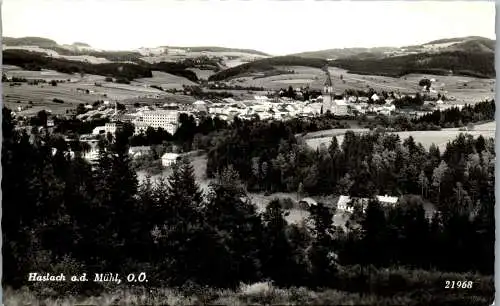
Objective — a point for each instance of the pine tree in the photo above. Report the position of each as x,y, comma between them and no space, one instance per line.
238,231
321,253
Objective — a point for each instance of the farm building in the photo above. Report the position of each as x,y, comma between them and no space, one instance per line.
169,158
136,152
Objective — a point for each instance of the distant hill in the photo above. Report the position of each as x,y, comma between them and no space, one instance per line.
471,56
218,49
28,41
464,44
36,61
477,64
81,44
346,52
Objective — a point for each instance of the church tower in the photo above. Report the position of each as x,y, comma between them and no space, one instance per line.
328,94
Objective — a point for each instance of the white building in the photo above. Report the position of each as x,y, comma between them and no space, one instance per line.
110,128
99,130
387,200
165,119
169,158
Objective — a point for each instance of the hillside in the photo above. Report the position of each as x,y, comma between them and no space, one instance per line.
28,41
467,56
463,44
477,64
217,49
37,61
346,52
267,64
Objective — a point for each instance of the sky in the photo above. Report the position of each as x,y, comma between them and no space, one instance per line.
276,27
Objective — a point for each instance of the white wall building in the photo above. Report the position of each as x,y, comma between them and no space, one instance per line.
169,159
110,128
165,119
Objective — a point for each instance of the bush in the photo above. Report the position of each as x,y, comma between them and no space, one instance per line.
287,203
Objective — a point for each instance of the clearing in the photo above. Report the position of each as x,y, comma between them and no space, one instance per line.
427,138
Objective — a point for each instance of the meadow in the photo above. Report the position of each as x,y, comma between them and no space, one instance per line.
165,80
359,286
427,138
463,89
42,95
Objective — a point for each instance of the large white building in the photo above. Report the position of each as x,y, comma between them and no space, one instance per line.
169,159
165,119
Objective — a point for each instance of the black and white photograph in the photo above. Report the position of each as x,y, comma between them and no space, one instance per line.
266,152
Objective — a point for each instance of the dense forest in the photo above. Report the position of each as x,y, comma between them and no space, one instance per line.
63,215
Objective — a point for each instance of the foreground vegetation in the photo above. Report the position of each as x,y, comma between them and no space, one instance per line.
64,215
386,287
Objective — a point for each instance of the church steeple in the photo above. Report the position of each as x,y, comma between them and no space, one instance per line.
328,87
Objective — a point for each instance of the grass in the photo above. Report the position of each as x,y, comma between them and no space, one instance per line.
427,138
411,288
42,95
476,89
165,80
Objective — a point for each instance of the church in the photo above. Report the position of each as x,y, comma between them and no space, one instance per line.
336,107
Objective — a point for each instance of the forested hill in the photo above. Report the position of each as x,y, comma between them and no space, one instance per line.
477,64
37,61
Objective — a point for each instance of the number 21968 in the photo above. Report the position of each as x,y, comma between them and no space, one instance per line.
458,284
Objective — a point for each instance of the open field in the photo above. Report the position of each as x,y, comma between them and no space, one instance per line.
42,95
427,138
165,80
464,89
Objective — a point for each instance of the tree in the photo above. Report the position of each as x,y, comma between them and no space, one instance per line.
277,263
437,177
425,83
53,83
237,230
423,182
321,255
180,232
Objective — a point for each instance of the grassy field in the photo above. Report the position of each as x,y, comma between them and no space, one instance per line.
464,89
439,138
42,95
165,80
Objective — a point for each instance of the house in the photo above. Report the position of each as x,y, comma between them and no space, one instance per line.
136,152
387,200
99,130
346,203
169,158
